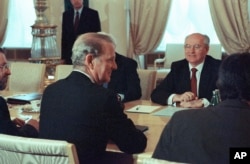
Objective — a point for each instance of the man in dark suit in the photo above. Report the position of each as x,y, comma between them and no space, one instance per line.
7,126
125,80
88,22
206,136
80,110
176,87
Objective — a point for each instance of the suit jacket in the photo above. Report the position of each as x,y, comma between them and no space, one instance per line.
86,114
205,135
8,127
89,22
125,79
178,80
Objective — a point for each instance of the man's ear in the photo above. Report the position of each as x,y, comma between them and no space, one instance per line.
89,60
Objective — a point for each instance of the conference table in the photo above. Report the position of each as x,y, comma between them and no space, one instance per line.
155,126
154,123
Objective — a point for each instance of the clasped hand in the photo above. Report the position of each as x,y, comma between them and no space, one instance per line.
188,100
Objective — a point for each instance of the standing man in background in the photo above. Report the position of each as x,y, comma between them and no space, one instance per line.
76,21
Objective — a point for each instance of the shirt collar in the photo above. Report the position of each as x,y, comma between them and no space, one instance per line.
198,67
76,70
80,11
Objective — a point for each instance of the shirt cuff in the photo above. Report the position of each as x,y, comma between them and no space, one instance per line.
205,102
122,96
170,100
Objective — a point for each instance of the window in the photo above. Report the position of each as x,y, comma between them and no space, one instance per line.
21,17
187,17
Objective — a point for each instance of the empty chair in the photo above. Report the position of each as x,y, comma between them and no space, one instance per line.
160,75
14,149
26,77
62,71
147,81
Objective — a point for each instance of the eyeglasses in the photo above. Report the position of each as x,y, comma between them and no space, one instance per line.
5,66
196,46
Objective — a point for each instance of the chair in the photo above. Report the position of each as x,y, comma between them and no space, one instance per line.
175,52
26,77
147,82
15,149
155,161
160,75
62,71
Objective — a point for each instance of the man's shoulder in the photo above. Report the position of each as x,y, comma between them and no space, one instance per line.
2,101
126,60
179,63
212,59
190,114
90,10
67,12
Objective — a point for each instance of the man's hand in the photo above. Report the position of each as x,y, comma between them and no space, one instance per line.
34,123
185,97
192,104
18,122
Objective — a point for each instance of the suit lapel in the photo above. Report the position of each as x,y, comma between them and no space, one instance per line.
185,79
205,77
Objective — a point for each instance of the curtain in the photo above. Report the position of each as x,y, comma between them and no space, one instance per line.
67,4
232,25
147,25
3,19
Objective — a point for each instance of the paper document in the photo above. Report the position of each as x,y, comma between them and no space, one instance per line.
169,111
143,109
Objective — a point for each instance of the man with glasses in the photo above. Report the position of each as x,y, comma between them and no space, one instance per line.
187,88
17,126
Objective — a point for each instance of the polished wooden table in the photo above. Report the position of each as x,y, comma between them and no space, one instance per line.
154,123
15,110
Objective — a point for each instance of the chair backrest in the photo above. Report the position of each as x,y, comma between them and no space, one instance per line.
160,75
26,77
62,71
14,149
175,52
147,82
154,161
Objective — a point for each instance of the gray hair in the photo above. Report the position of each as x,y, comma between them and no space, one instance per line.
89,43
206,38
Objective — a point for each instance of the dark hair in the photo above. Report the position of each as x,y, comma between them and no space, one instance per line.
234,77
1,50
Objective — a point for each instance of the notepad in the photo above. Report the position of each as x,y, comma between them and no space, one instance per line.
142,109
24,98
169,111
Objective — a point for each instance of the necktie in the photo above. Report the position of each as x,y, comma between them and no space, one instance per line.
76,22
194,81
